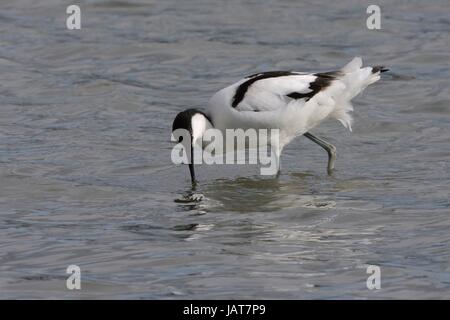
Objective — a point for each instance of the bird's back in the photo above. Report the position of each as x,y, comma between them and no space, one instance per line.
291,101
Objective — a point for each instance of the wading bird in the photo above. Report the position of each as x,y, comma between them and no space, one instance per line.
293,102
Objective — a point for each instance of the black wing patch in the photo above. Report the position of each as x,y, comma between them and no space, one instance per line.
243,87
322,81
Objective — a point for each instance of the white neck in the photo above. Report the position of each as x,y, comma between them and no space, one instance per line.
199,125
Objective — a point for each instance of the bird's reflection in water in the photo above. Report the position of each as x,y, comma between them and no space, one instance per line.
256,194
246,194
300,192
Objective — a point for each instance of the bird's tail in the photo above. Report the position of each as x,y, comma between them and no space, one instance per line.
355,78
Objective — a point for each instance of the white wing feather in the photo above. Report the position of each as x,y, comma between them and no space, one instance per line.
271,94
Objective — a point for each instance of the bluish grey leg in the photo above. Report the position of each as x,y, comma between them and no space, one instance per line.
329,148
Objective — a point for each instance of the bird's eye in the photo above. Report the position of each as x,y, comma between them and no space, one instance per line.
180,139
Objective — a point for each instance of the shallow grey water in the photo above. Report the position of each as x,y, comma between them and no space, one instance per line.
86,176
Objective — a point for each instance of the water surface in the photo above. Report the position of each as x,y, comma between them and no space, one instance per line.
86,176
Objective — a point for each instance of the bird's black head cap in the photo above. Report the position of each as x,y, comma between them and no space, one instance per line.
183,120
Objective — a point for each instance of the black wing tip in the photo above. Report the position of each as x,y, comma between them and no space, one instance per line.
380,69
